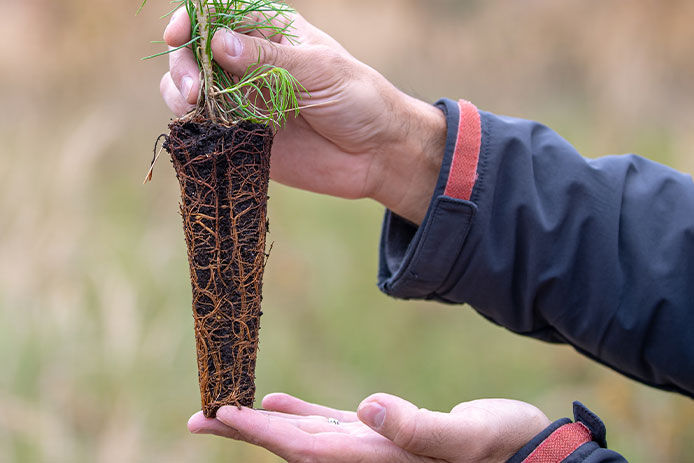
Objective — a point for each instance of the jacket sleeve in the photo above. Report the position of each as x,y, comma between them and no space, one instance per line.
582,441
595,253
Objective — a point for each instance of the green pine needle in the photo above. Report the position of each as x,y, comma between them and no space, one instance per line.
264,94
141,6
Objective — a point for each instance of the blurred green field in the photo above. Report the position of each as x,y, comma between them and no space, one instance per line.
96,340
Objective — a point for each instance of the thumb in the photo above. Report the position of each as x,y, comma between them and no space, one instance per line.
235,52
413,429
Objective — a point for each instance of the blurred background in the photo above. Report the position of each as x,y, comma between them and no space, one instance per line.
96,342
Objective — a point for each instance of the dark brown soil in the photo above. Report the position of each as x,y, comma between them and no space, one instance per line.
224,173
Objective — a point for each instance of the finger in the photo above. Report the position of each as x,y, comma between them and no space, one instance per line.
315,424
237,52
288,404
198,424
291,443
173,98
276,435
185,74
413,429
177,32
277,27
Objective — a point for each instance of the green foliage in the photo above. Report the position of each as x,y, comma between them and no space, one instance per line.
270,106
265,93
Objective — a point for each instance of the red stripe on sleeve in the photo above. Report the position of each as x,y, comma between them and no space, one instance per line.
560,444
463,173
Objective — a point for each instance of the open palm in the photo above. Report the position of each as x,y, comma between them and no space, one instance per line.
298,431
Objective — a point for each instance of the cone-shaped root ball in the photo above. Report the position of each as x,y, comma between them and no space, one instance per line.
224,173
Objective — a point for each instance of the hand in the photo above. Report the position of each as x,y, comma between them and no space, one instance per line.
358,137
385,428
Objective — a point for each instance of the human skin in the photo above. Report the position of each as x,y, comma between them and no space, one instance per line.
385,428
357,137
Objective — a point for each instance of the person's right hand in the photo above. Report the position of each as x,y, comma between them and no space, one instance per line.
358,136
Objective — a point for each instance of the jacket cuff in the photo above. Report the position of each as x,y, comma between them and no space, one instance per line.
564,441
416,261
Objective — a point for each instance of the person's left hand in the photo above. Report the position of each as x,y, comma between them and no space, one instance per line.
385,428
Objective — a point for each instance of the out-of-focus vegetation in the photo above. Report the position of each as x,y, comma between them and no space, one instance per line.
96,342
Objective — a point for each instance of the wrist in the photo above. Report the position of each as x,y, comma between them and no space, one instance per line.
409,165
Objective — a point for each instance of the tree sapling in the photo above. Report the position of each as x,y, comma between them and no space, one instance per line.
221,155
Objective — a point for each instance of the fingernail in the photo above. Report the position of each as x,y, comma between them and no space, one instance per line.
232,44
373,414
186,86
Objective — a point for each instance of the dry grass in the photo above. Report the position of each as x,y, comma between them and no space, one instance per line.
96,341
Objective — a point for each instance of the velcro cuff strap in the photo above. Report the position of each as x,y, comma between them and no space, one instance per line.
560,444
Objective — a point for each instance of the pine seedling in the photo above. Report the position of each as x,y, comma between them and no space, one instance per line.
265,93
221,155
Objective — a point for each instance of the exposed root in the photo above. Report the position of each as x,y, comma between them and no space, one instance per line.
224,173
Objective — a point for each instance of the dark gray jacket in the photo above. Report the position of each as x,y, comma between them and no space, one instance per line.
597,253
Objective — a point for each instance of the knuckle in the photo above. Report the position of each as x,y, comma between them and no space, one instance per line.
406,436
181,64
270,53
421,433
330,56
177,73
339,63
